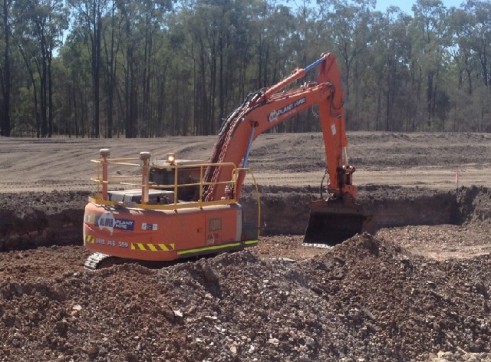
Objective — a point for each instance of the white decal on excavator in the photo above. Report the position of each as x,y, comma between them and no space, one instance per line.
109,222
106,221
149,227
273,116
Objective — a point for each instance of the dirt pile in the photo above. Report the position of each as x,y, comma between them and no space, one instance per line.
366,298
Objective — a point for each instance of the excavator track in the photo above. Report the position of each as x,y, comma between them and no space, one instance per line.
317,245
98,260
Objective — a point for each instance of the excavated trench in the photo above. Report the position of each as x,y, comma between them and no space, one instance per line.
286,210
29,220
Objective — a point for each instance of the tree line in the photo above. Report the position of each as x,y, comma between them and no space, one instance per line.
150,68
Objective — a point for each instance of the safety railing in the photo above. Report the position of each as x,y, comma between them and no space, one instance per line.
113,180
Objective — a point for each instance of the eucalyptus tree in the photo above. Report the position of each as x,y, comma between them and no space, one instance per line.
348,25
38,30
386,92
287,37
6,80
464,71
481,45
461,25
77,85
480,36
88,15
222,38
111,44
142,22
197,24
430,41
308,41
275,49
154,31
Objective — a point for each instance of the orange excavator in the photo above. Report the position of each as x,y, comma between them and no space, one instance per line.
172,209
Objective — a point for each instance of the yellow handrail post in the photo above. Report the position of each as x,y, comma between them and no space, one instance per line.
104,153
145,157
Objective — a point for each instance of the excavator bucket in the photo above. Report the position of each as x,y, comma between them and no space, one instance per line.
333,221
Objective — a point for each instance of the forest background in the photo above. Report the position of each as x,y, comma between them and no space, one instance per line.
151,68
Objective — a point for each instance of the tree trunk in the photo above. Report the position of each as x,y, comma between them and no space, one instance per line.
50,94
96,66
5,127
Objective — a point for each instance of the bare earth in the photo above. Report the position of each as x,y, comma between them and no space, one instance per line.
417,290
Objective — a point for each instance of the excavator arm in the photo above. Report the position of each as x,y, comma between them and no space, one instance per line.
267,108
332,219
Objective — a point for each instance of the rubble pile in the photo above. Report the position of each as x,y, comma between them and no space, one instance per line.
366,298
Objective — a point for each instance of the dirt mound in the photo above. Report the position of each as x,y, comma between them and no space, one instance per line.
365,298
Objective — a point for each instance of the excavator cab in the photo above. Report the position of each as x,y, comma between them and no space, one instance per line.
169,171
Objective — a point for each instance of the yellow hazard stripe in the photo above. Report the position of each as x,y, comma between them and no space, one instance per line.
207,248
251,242
216,247
141,246
152,247
171,247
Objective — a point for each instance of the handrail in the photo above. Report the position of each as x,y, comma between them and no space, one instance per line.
103,179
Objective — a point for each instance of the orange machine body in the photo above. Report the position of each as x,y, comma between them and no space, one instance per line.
162,235
171,213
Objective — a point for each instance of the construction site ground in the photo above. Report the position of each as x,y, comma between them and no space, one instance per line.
418,289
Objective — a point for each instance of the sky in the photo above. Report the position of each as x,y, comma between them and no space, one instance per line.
406,6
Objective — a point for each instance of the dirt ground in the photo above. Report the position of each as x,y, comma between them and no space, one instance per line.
418,289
